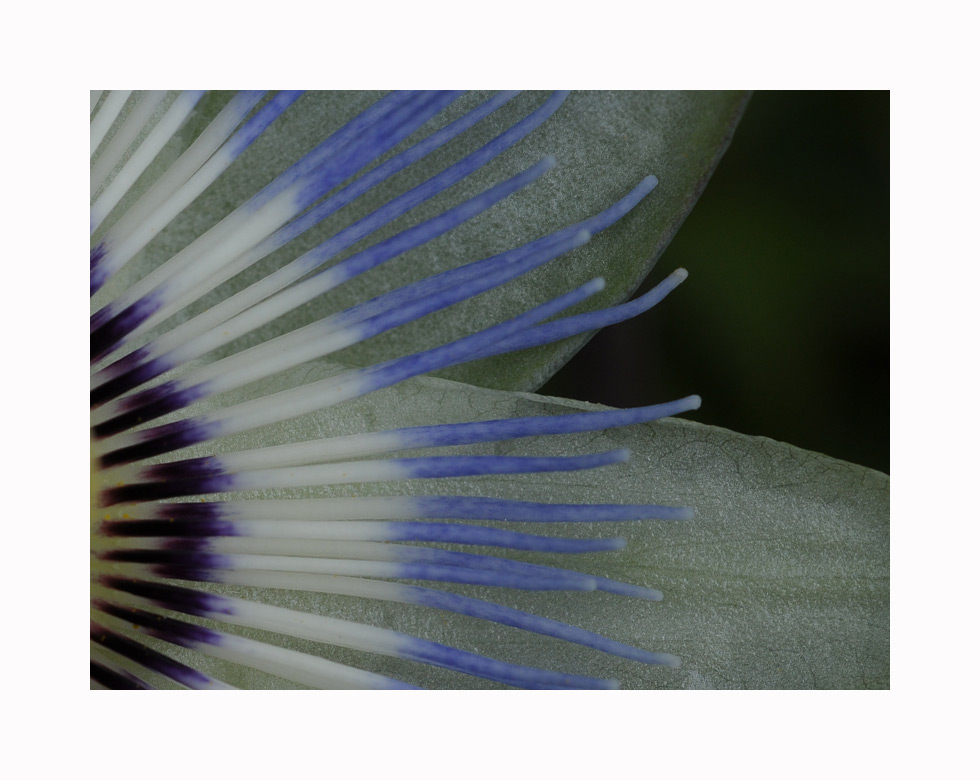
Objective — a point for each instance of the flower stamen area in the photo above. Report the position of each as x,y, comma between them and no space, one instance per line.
238,528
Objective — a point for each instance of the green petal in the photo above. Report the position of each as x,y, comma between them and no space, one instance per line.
780,581
605,144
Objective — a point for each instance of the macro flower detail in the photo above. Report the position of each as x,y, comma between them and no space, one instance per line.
235,515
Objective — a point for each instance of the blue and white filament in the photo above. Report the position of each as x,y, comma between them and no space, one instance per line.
162,526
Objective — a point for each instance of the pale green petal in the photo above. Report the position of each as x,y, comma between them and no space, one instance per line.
781,580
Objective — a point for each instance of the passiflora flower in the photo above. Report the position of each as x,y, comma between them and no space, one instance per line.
309,466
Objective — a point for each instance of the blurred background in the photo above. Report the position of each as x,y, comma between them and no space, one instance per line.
783,326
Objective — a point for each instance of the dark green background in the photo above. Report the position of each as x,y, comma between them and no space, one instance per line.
782,327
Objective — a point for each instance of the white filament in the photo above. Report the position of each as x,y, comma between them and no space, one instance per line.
105,117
